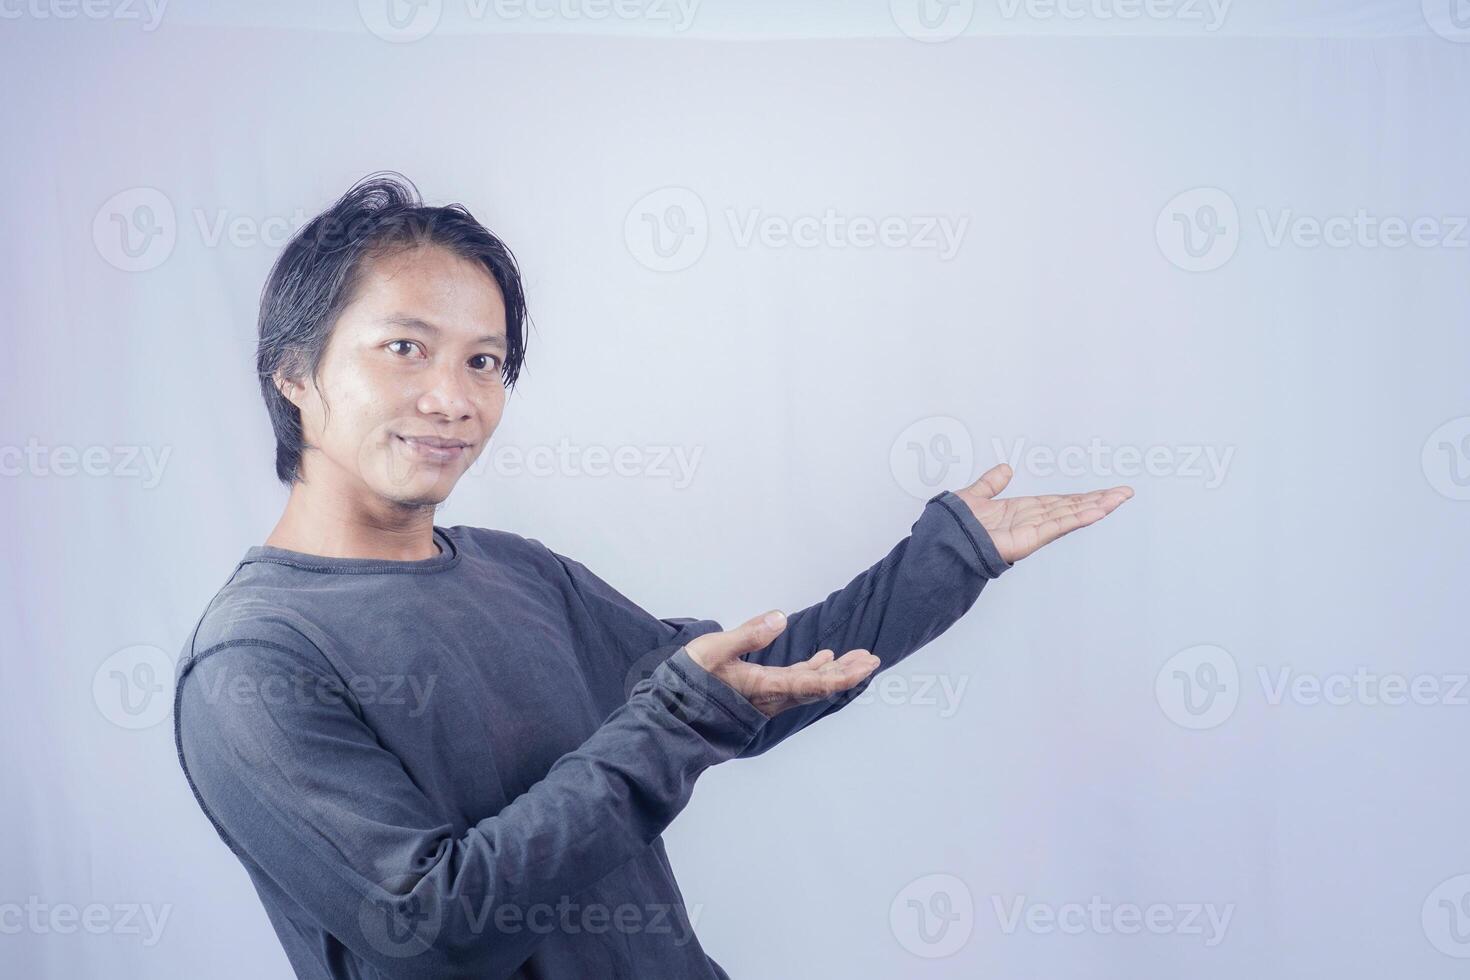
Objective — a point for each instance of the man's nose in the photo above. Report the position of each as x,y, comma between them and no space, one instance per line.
447,394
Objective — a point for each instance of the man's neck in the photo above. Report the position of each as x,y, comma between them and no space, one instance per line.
332,527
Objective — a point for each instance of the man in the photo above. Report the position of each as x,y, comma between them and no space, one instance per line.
451,752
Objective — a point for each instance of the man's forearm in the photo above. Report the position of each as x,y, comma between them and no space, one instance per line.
914,593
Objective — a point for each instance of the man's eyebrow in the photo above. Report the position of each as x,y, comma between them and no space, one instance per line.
414,323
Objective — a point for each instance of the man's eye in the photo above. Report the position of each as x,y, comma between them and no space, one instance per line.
392,342
484,357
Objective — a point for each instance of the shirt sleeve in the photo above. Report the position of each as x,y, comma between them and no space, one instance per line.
296,783
919,589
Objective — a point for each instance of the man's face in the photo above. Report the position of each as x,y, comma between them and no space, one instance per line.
411,370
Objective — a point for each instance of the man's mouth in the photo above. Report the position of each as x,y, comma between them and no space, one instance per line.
433,448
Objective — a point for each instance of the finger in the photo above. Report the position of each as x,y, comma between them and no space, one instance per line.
848,659
1074,511
713,649
992,481
765,685
816,660
1053,505
840,675
1113,493
1107,501
1091,496
777,681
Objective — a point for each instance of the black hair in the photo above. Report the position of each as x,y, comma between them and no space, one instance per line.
319,271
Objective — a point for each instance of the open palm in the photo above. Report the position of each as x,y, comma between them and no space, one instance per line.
1020,525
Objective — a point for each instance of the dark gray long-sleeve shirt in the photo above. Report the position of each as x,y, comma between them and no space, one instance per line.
461,766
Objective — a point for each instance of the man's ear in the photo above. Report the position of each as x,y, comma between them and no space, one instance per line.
288,388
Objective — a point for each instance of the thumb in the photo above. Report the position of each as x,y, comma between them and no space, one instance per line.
714,649
992,481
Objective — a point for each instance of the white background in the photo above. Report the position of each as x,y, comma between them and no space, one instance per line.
1078,761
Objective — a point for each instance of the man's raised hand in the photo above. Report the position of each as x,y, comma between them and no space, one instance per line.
1020,525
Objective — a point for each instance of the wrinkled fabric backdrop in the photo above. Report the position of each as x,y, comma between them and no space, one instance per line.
793,268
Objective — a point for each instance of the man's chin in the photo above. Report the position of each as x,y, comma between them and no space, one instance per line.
422,492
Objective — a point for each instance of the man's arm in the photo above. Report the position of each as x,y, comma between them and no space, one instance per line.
298,784
961,541
913,594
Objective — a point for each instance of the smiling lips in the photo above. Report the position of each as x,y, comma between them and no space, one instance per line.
434,448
